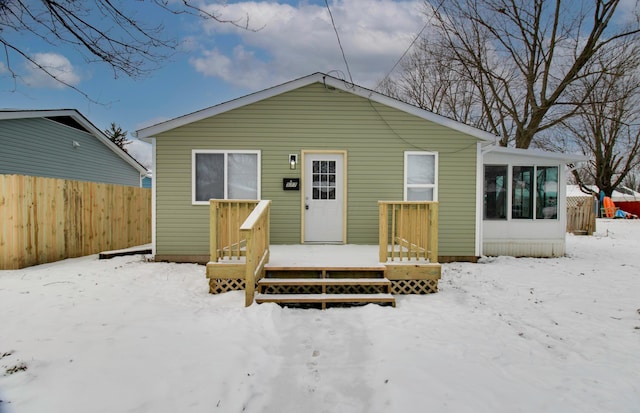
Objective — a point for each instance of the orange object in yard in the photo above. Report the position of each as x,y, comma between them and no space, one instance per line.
608,207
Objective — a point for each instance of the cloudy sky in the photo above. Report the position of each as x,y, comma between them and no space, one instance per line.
218,62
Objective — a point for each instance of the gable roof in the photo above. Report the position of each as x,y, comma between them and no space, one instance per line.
329,82
74,119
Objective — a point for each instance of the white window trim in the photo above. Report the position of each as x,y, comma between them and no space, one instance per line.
434,186
226,152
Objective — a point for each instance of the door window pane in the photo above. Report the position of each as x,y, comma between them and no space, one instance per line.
495,192
522,184
547,192
324,180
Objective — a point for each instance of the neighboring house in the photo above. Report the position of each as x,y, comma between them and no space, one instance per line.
326,151
147,181
63,144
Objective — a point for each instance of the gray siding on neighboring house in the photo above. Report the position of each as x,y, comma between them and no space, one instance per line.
313,118
42,147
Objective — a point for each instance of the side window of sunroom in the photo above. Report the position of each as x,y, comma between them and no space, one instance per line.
495,191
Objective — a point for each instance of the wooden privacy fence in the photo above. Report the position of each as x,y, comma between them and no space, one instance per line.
46,219
408,231
581,215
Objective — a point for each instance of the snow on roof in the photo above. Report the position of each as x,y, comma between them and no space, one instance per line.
619,194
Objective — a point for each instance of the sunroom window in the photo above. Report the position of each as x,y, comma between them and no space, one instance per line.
495,192
225,175
547,192
421,176
522,185
533,192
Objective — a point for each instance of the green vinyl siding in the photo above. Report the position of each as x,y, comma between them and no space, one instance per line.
375,138
43,147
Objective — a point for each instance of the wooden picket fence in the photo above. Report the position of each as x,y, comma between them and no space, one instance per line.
581,215
46,219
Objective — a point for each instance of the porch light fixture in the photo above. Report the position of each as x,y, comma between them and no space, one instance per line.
293,160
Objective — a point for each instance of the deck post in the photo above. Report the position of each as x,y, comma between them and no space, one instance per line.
433,232
250,282
213,230
383,231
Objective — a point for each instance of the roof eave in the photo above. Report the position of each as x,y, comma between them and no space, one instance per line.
150,132
566,158
78,117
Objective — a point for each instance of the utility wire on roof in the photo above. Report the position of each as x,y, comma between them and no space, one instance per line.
333,23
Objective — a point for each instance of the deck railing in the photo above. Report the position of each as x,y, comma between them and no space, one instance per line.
408,231
226,217
256,231
241,229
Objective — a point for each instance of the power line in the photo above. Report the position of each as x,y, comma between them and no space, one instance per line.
415,39
333,23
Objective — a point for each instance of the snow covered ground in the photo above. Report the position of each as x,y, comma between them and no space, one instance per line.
504,335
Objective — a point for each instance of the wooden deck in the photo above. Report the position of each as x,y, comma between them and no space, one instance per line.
324,275
403,262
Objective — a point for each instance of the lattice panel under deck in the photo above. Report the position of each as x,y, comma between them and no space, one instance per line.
219,286
414,286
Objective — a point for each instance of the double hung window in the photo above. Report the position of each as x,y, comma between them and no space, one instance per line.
225,175
421,176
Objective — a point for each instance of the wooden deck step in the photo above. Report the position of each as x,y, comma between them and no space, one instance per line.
325,298
324,281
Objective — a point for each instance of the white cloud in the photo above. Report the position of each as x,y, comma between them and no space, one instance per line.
300,40
141,151
57,65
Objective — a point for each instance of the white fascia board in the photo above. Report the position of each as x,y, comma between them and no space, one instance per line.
555,156
329,81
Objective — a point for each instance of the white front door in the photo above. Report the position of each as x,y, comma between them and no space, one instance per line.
324,197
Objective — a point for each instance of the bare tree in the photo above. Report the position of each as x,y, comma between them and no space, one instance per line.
523,58
607,126
432,80
117,136
106,31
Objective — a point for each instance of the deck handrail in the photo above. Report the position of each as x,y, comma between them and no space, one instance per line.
226,242
256,232
408,230
240,229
